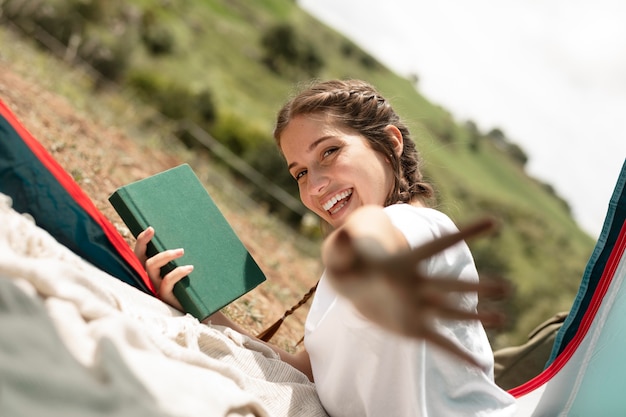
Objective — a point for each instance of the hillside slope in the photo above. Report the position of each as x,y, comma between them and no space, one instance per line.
102,155
539,248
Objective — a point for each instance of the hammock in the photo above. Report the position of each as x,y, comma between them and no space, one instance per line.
74,260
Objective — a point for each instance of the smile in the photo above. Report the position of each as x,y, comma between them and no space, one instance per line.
337,202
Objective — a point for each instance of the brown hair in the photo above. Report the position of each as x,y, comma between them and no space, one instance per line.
358,106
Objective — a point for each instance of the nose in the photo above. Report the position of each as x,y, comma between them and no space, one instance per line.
316,182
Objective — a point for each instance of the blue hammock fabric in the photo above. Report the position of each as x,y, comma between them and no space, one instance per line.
586,373
39,186
613,222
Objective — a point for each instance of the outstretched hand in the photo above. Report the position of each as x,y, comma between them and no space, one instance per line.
164,286
391,291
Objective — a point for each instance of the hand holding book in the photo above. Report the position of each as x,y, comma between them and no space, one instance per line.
190,234
163,286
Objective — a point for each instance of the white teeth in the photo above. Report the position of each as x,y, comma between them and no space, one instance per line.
326,206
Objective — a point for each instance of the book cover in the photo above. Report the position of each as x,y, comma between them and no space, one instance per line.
184,215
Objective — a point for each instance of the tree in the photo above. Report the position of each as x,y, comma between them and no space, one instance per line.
280,47
286,53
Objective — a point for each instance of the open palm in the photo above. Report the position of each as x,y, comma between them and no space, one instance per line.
391,290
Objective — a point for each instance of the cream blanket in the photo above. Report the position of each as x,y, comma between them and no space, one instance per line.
77,341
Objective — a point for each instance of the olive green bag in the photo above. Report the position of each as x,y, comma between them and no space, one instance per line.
516,365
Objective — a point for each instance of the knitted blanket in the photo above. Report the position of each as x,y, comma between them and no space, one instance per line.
77,341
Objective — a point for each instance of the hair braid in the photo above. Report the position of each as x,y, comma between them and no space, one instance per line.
267,334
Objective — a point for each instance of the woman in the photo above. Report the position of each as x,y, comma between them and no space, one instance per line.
357,168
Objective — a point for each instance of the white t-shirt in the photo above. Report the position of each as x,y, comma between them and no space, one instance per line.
363,370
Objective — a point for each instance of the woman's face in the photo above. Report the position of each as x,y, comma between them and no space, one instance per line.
336,169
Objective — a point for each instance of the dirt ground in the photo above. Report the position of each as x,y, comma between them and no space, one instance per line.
101,157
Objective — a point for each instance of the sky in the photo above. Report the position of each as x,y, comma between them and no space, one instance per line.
551,74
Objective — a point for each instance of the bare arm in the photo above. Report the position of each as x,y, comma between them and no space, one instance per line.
164,287
299,360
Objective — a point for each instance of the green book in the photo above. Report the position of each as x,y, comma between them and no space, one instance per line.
184,215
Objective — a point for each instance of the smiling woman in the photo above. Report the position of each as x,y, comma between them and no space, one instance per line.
336,169
393,328
356,110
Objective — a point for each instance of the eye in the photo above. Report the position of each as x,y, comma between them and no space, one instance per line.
298,175
329,151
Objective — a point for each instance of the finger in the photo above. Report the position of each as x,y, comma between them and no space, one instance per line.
169,280
158,261
492,318
451,312
448,285
341,261
447,345
429,249
440,288
142,242
444,285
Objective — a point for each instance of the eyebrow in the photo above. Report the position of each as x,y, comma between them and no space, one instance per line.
312,146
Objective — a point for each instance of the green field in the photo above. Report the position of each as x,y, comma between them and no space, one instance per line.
216,47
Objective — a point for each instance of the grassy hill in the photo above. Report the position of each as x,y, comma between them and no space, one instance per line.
209,61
